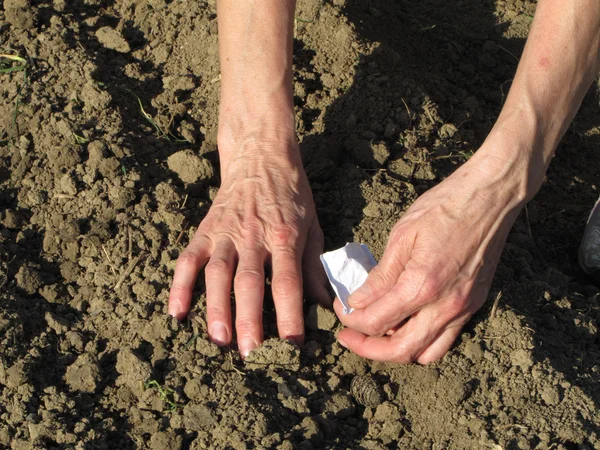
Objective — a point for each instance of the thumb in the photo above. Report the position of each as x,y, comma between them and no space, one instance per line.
384,275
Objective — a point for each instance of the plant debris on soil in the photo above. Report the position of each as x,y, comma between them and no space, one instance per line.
108,162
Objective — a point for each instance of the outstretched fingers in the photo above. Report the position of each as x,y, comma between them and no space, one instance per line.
249,286
188,265
219,276
287,293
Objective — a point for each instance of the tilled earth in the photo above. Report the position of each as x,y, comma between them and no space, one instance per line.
108,162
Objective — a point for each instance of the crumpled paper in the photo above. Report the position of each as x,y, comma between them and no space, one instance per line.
347,269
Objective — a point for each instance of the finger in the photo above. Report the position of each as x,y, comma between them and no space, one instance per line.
402,347
249,287
413,291
189,263
377,348
315,279
440,346
219,275
287,294
385,274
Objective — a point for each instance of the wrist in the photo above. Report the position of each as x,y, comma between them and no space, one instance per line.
255,123
517,152
260,138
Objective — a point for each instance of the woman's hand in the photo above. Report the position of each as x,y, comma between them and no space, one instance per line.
263,214
436,270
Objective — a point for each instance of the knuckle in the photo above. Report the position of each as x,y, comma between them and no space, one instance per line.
430,288
188,258
455,305
248,279
374,325
286,282
252,227
217,267
284,235
379,278
395,234
404,354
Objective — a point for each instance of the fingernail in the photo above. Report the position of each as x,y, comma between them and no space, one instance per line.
342,343
246,345
358,296
174,310
218,333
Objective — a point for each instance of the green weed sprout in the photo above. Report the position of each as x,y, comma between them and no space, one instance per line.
165,393
7,66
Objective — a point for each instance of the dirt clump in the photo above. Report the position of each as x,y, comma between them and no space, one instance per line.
112,39
189,166
84,374
274,352
97,202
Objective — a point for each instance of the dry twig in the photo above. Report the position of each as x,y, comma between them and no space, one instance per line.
114,271
495,305
128,271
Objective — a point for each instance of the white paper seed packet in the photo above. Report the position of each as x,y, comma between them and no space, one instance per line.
347,269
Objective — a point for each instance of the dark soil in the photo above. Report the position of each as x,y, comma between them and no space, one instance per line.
97,201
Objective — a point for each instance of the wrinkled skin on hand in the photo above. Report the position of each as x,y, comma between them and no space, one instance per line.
263,214
435,272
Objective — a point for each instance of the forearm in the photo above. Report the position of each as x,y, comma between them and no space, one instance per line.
255,48
560,60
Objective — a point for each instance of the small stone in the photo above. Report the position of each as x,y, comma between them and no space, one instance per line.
312,432
75,340
521,358
166,439
320,318
473,351
20,13
13,219
84,374
29,279
179,82
5,436
373,209
96,154
380,153
447,131
112,39
16,375
198,417
59,324
274,353
133,370
207,348
340,405
67,185
189,166
550,395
